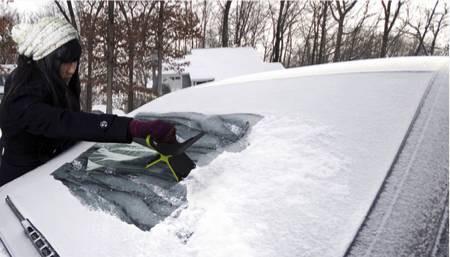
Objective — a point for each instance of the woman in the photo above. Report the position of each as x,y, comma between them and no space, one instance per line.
40,113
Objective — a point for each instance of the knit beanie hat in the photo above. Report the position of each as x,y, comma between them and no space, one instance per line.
43,37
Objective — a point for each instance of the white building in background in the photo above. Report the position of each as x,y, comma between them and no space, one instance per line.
176,80
213,64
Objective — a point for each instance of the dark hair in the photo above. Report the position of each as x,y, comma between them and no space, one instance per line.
48,69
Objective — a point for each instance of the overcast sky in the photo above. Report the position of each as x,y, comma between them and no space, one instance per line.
35,5
29,5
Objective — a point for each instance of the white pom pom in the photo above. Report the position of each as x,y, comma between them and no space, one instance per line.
19,32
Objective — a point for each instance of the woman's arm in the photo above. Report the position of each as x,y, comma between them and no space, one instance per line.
36,117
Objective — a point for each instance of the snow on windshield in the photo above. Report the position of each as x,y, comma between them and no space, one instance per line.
113,177
237,203
411,212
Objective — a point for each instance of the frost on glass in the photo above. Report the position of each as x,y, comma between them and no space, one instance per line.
3,252
112,177
410,216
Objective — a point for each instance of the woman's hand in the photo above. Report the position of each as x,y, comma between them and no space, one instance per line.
160,131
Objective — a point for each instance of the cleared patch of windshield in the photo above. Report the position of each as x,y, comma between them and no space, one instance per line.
113,177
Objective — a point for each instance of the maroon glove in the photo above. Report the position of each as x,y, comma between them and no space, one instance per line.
160,131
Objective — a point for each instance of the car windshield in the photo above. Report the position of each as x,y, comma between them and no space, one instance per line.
114,177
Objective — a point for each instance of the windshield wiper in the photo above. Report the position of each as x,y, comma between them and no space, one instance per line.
36,237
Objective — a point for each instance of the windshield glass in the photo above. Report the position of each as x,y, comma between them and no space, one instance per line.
114,177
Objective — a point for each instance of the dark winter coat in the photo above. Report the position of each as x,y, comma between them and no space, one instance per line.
35,129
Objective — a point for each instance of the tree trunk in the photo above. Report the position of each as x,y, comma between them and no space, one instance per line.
321,57
131,77
316,36
225,24
276,49
90,59
72,14
427,26
131,49
286,48
384,43
238,26
290,47
62,11
160,46
154,79
205,22
352,44
342,12
307,48
438,28
337,50
388,26
90,32
110,56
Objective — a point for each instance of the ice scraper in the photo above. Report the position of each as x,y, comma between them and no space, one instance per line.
173,155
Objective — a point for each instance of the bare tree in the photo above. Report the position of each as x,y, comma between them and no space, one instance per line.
72,14
131,24
323,36
278,32
88,24
61,9
146,50
288,14
369,45
171,27
204,22
421,34
244,11
187,29
388,24
288,52
258,21
110,56
159,46
157,32
319,31
226,12
7,46
315,29
357,36
342,8
436,28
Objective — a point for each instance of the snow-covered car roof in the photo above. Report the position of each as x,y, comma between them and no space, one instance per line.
299,183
